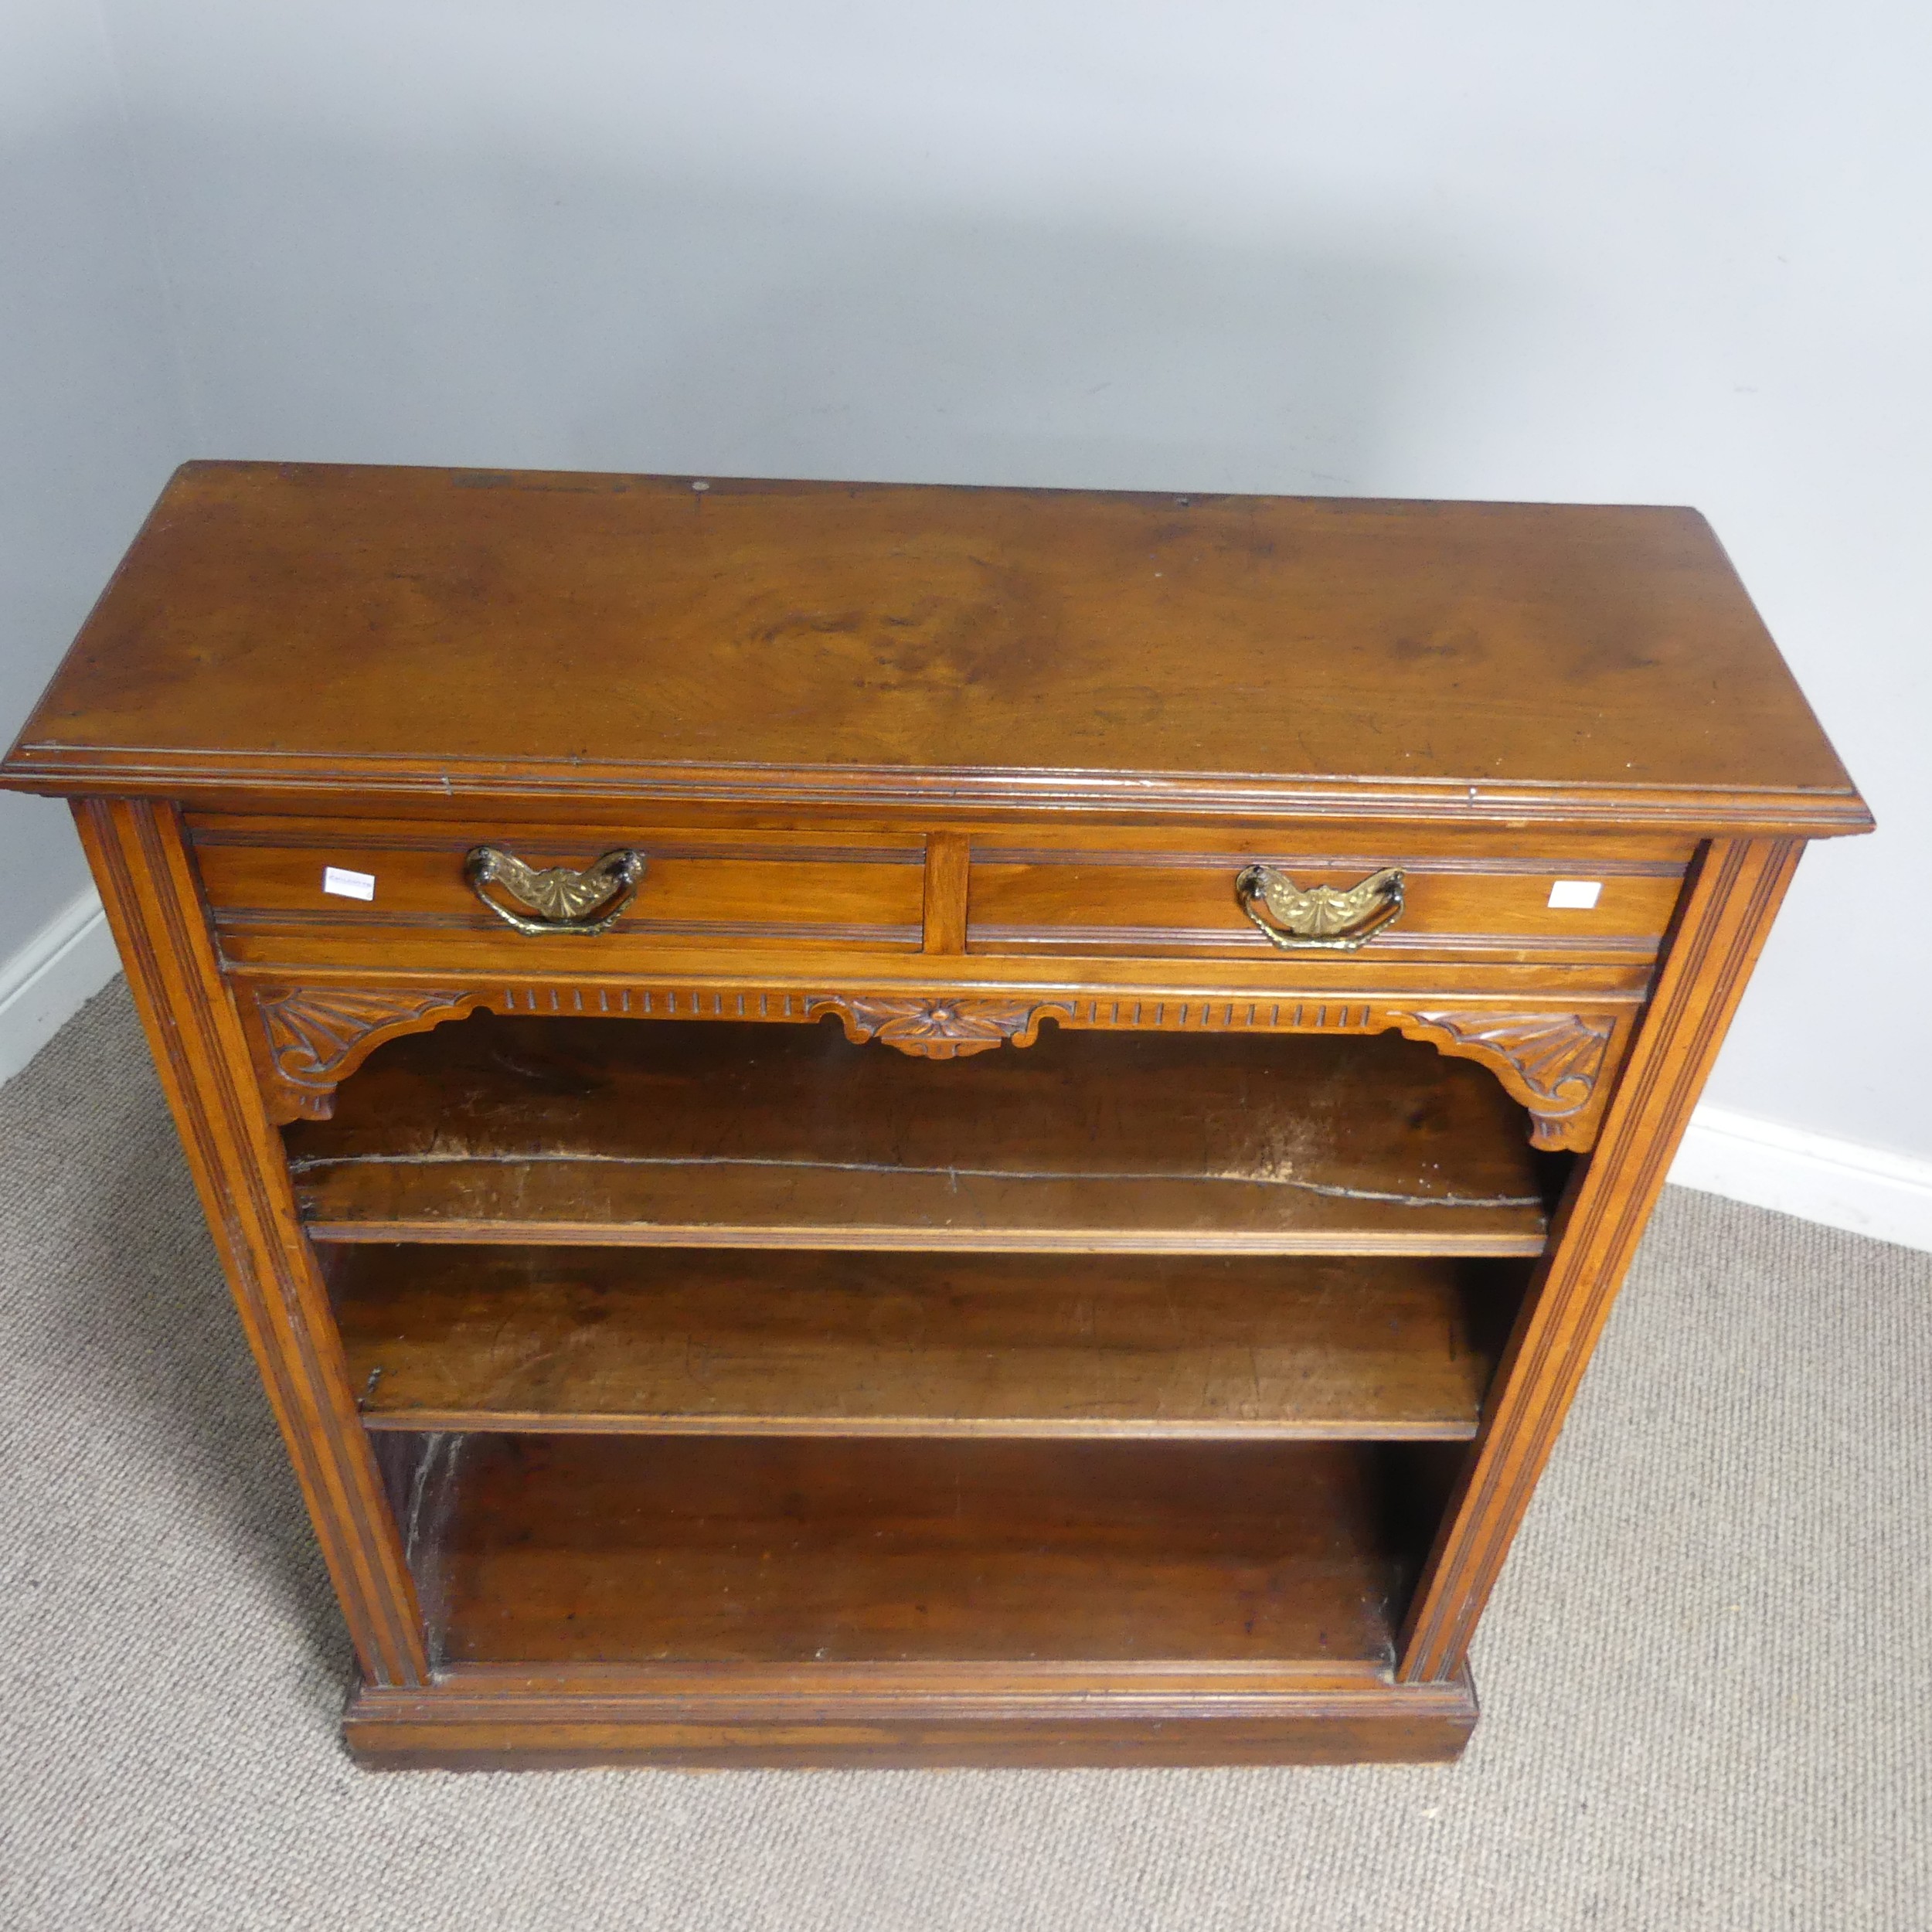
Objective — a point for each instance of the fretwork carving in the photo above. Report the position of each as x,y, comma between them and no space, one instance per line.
308,1039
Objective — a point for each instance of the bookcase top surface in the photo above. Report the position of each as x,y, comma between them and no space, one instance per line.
313,629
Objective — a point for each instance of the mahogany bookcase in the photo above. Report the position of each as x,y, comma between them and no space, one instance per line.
881,1124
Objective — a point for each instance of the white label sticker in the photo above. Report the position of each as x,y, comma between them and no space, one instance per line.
1575,895
361,885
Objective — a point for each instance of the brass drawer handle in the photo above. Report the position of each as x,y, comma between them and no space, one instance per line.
558,900
1335,919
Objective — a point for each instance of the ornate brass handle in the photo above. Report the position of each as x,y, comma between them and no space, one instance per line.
557,900
1335,919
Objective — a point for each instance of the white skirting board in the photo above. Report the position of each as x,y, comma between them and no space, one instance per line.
1840,1183
51,977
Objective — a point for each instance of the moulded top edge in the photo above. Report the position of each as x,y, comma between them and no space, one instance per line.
64,770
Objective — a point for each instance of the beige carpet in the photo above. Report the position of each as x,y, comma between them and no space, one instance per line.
1705,1676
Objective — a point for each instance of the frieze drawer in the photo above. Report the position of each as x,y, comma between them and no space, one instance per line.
279,888
1557,907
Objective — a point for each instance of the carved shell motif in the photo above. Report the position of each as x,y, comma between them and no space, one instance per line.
313,1031
1557,1055
1553,1058
940,1030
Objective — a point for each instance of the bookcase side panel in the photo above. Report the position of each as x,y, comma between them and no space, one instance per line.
148,887
1726,914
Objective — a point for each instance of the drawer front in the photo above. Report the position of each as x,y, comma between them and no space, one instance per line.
343,933
299,881
1542,908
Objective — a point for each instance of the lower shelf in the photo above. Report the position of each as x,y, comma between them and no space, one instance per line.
859,1601
575,1550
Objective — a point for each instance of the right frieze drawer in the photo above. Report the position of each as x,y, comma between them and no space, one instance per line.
1352,896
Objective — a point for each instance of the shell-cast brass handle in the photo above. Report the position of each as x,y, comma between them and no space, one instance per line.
558,899
1335,919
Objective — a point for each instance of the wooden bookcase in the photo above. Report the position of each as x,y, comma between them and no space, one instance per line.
867,1125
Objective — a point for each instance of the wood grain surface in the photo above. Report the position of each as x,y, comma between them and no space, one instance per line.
731,888
574,1549
1113,904
1734,895
719,1716
668,1132
721,888
791,640
662,1340
141,864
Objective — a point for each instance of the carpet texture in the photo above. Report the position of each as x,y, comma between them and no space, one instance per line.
1704,1675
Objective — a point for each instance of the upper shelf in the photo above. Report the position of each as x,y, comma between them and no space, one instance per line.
297,630
725,1133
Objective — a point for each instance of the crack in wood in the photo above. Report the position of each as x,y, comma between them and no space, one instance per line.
313,1163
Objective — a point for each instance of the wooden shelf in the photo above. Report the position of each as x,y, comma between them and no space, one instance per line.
670,1341
727,1133
619,1549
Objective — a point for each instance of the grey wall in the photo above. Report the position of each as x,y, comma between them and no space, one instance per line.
1639,252
91,415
